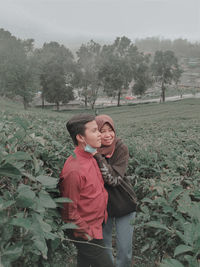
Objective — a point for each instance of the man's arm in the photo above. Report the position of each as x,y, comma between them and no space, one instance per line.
70,188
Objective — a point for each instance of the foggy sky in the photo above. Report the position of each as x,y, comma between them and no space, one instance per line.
68,20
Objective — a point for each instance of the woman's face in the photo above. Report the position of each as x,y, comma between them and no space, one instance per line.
107,135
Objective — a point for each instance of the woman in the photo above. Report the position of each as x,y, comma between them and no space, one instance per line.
112,159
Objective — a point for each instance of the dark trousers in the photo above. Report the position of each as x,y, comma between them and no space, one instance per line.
90,255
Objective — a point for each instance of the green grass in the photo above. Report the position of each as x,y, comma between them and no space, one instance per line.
164,146
135,113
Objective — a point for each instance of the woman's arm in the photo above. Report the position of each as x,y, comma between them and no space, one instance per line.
114,172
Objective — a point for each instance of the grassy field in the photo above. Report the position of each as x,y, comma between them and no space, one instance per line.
164,146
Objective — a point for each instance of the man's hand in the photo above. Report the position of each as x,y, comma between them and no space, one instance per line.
89,238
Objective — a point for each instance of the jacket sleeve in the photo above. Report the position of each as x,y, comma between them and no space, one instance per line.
113,173
70,188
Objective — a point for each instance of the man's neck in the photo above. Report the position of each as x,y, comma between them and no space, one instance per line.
80,146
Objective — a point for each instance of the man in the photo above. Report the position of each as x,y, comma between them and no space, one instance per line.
82,182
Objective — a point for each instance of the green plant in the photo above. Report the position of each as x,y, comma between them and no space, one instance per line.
31,228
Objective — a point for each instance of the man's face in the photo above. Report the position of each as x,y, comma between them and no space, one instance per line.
92,135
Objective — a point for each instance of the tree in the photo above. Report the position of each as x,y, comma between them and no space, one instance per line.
56,73
142,75
17,75
112,77
88,64
55,89
116,70
121,64
165,69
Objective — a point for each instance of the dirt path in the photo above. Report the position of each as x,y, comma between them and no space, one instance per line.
109,102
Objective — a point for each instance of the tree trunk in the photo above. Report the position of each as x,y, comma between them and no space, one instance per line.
57,106
86,101
181,94
25,103
92,105
96,112
163,93
118,98
42,101
85,96
95,97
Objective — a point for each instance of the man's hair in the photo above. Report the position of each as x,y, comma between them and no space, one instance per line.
76,125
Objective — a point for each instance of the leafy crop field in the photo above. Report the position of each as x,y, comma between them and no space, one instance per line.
164,167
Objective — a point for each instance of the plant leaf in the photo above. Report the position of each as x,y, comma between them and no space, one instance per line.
156,224
182,249
47,181
175,193
25,197
171,263
69,226
46,201
12,253
19,155
63,200
9,170
5,204
22,222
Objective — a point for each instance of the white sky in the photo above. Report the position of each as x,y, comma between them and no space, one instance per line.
67,20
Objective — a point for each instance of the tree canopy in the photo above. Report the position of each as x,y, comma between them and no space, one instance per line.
17,67
122,64
166,69
114,68
88,65
56,73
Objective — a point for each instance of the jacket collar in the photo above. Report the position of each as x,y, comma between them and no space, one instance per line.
80,152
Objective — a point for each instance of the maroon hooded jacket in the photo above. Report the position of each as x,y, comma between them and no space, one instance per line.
82,182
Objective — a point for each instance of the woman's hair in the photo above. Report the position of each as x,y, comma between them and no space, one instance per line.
76,125
103,119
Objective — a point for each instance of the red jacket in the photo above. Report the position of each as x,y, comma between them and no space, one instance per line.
83,184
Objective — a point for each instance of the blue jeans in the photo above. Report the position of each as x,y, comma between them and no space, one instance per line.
124,235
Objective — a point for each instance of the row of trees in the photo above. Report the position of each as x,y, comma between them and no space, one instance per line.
17,73
55,71
181,47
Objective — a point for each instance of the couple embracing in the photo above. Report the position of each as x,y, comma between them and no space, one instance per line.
101,194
